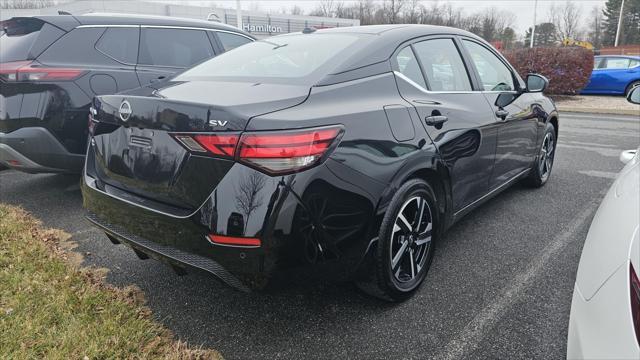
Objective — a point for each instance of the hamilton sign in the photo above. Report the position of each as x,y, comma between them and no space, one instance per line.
266,28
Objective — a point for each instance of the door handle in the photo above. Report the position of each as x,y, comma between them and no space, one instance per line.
435,120
502,114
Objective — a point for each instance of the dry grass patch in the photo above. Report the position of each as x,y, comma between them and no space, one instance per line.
52,308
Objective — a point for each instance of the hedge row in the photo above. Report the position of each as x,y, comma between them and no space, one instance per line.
567,68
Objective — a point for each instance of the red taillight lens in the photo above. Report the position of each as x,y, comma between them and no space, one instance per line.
634,287
288,151
275,153
234,241
26,71
223,145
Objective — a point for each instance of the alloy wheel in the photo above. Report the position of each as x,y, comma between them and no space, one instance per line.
546,156
411,239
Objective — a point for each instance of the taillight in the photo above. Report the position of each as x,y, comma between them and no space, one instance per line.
276,153
286,151
19,71
222,145
634,287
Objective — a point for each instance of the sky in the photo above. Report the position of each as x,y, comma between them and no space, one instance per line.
522,9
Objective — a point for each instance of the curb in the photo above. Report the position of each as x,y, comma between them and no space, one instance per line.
599,110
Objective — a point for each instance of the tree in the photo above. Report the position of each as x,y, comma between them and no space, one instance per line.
566,19
508,38
595,35
545,35
326,8
630,30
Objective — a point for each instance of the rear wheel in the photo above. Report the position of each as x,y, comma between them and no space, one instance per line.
405,243
541,169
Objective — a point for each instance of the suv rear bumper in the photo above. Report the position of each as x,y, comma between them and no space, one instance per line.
36,150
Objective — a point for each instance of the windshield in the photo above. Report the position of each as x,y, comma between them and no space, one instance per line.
283,58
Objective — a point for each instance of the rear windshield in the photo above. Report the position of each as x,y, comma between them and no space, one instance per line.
17,37
290,59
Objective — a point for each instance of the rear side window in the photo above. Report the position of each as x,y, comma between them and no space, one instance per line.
494,74
174,47
231,41
443,65
17,38
120,44
634,63
409,67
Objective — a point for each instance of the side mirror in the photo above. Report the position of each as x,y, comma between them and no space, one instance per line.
536,83
634,95
627,155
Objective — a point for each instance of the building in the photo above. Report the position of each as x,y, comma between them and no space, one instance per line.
259,24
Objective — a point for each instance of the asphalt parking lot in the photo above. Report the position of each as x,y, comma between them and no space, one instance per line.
500,284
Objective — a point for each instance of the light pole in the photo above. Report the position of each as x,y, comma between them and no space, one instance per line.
239,15
619,24
533,28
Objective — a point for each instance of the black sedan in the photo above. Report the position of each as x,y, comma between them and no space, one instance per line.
341,153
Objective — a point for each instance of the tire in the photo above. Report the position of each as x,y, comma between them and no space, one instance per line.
541,169
405,248
631,87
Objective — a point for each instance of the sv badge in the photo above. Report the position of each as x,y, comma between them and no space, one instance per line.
218,122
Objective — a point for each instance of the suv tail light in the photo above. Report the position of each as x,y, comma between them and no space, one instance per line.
634,287
18,71
276,153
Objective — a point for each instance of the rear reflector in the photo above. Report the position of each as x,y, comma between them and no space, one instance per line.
18,71
275,153
634,284
234,241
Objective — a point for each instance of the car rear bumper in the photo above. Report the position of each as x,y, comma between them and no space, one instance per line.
172,255
282,217
36,150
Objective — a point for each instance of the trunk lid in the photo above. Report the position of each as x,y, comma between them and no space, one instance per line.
135,150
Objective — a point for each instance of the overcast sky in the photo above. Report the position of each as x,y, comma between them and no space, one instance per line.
523,9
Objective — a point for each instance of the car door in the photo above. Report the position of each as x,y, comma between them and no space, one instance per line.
433,77
513,108
165,51
597,81
618,74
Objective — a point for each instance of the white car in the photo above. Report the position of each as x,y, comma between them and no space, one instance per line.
605,311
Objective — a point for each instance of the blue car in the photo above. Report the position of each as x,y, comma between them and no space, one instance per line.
614,74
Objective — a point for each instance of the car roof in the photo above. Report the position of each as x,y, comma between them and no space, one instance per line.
68,22
620,56
382,41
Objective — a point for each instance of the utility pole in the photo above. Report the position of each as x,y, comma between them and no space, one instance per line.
619,24
533,28
239,15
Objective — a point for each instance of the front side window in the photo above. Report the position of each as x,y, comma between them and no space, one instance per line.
120,44
633,63
277,59
174,47
443,65
409,67
618,63
494,74
231,41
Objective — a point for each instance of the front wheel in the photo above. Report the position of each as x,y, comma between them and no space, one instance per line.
541,169
405,243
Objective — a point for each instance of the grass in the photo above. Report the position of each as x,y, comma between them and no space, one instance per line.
52,308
